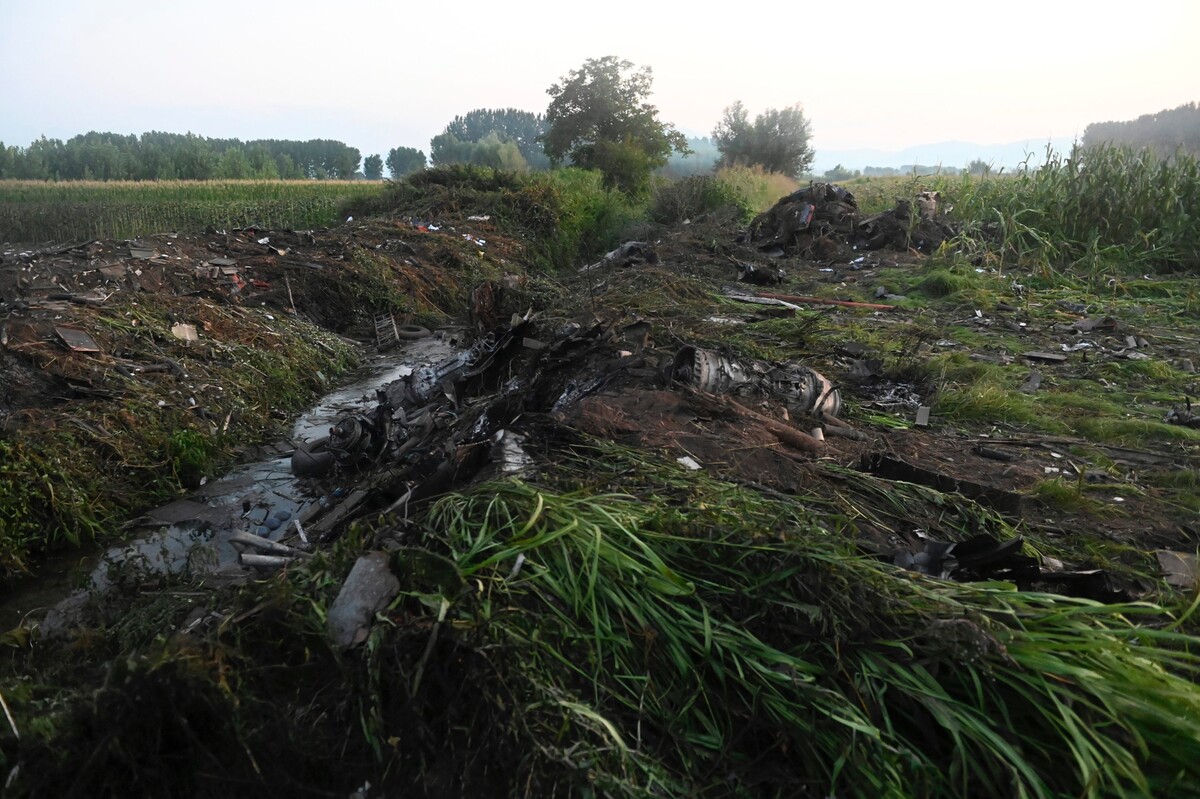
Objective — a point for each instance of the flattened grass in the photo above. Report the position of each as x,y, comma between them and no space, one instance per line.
732,644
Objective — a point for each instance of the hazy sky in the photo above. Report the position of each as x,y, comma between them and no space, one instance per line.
378,74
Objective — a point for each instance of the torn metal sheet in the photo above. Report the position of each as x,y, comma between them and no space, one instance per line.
1049,357
977,557
1095,323
628,254
509,454
77,340
368,589
1178,568
893,468
185,332
757,274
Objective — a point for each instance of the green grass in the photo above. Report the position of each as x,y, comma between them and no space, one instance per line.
686,664
1064,495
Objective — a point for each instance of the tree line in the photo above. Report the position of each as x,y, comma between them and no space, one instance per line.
1165,132
599,117
175,156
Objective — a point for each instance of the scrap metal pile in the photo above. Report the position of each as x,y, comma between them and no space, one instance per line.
498,407
464,417
822,220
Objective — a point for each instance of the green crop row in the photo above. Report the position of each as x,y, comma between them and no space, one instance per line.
1098,207
32,211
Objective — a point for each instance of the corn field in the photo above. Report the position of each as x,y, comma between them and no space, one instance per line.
35,211
1101,208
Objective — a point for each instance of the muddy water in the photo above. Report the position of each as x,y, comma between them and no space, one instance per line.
191,534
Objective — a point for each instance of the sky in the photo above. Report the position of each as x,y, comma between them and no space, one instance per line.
377,74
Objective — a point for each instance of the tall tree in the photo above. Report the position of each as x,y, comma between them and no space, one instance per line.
599,118
522,128
403,161
373,167
233,165
777,140
492,150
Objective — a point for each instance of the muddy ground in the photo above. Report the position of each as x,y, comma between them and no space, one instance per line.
175,324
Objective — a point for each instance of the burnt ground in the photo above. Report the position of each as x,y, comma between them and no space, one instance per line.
1082,466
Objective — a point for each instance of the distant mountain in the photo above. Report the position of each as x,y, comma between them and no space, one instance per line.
947,153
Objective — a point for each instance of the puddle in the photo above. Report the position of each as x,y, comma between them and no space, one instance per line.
191,534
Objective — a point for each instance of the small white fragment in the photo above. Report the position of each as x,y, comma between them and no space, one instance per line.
689,462
300,531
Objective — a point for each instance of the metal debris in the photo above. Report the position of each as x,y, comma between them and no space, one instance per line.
1032,383
1049,357
77,340
802,389
1179,568
368,589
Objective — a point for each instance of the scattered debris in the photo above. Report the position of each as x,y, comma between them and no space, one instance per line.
1032,383
368,589
978,557
894,468
1048,357
1095,323
1179,568
823,301
628,254
993,453
758,275
822,219
1183,416
520,387
185,332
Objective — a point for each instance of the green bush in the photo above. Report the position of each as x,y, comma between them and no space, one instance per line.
192,455
675,201
591,218
46,502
